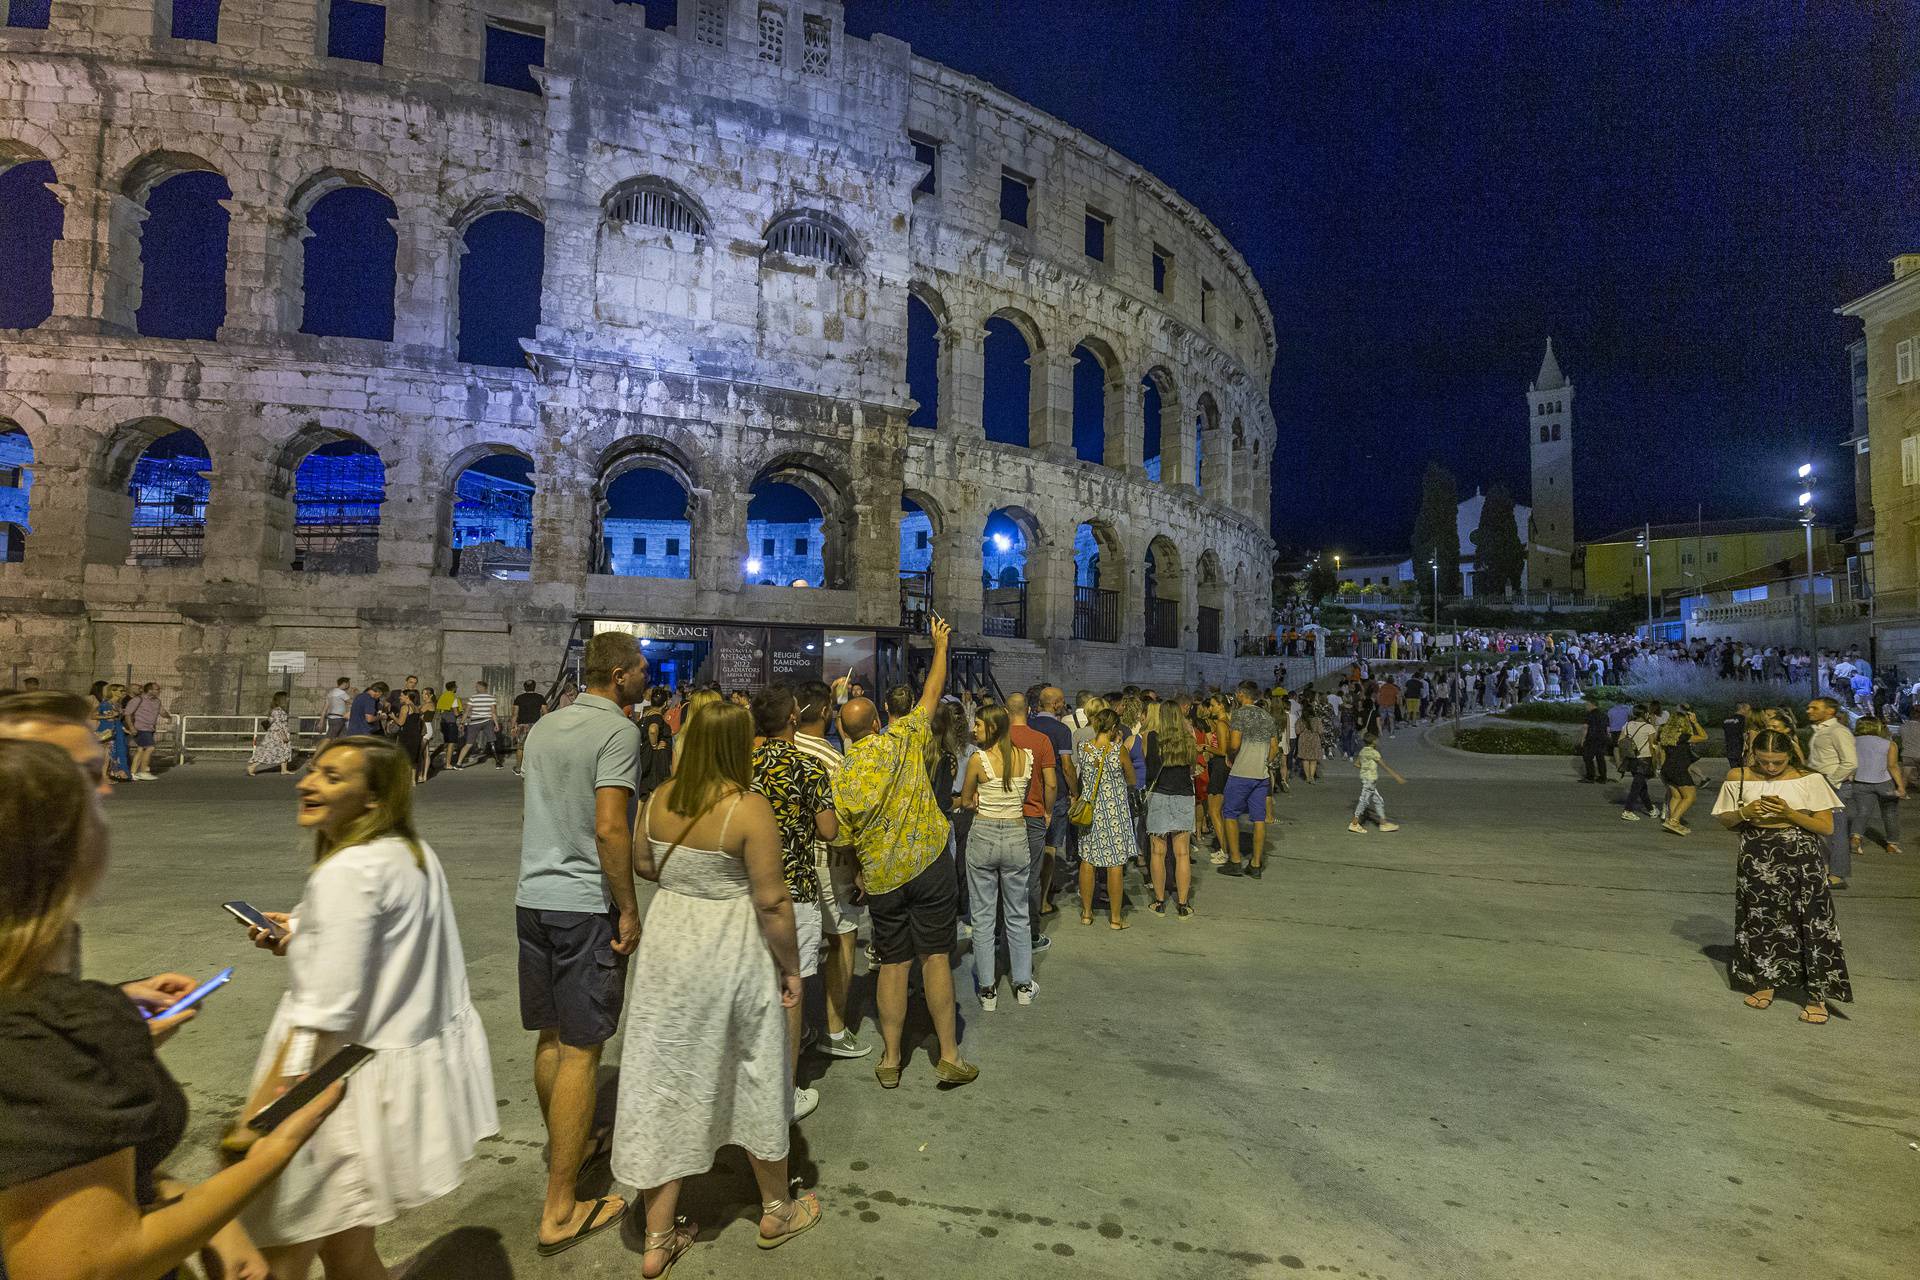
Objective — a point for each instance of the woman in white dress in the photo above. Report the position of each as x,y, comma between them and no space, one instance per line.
374,959
273,746
705,1062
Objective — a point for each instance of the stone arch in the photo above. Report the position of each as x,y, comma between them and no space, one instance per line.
633,541
929,353
164,471
109,467
815,235
1013,547
1163,587
1098,388
484,523
326,491
498,279
345,240
923,524
1213,467
661,204
26,141
1210,604
1014,379
32,219
16,490
1161,416
168,260
831,491
1099,581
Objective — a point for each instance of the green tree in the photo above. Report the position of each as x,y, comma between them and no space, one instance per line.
1436,532
1321,581
1499,557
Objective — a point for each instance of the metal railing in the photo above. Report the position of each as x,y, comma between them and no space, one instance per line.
1163,623
195,736
1096,615
1003,612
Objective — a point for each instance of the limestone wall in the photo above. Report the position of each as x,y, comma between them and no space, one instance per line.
709,354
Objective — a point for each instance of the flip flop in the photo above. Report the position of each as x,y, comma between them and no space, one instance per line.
587,1228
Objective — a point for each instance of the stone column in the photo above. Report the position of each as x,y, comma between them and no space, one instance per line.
719,519
1050,588
410,530
258,238
1176,446
1126,429
566,508
60,507
957,565
250,507
82,264
873,561
1129,578
113,282
425,259
963,381
1050,405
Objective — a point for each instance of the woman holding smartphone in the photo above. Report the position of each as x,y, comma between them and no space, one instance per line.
374,959
87,1113
1784,933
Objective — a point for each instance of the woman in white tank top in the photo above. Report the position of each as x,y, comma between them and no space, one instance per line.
999,858
1878,786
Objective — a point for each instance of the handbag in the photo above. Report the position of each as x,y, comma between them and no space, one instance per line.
1081,813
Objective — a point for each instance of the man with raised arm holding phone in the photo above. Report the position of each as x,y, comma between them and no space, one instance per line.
577,916
885,805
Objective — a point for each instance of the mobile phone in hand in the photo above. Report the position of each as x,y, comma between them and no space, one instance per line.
192,997
246,913
348,1060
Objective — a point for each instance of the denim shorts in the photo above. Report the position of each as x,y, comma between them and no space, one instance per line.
1245,798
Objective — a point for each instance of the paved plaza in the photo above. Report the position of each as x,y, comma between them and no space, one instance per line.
1497,1043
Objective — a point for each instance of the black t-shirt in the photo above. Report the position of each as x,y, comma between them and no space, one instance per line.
1599,732
78,1081
1166,779
527,708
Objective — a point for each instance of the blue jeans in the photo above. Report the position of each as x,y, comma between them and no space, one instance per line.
998,876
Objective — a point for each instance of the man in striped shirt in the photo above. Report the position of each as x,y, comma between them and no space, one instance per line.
483,727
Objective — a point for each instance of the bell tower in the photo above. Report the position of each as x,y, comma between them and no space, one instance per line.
1550,539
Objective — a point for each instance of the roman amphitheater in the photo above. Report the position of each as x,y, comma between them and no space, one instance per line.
764,255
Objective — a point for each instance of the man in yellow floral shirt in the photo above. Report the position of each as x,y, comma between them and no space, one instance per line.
884,801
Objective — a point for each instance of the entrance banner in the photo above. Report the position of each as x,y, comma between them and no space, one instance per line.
740,657
794,654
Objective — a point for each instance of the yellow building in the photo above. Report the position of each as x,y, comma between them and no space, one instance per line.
1891,552
1689,558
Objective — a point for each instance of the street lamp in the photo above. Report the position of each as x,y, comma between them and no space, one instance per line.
1805,476
1645,541
1435,562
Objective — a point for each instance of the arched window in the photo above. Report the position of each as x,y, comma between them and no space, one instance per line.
923,362
337,491
1008,397
16,480
644,529
785,545
170,485
500,287
650,202
349,272
1097,580
916,565
183,257
1089,405
1162,595
1003,573
811,235
1150,415
492,519
30,221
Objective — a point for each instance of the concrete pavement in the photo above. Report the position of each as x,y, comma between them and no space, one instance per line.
1497,1043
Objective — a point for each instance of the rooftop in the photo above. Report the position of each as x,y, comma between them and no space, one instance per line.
1703,529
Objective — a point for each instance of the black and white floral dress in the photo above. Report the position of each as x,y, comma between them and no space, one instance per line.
1784,932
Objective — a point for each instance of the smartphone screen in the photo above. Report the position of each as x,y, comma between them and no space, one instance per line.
248,914
192,997
348,1060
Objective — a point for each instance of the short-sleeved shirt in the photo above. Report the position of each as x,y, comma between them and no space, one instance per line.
828,757
1028,738
885,803
571,754
338,700
528,708
796,785
78,1081
1368,761
1256,731
448,702
364,715
1060,736
480,708
1387,695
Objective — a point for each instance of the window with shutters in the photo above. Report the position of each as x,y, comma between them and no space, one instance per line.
1903,361
1910,460
710,24
650,202
810,235
816,53
773,35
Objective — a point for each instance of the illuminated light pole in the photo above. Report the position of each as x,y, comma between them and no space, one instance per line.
1805,476
1435,562
1645,539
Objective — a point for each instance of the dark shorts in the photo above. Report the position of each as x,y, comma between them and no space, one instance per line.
1245,798
917,919
143,738
1057,825
571,979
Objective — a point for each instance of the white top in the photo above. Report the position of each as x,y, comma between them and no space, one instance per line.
375,959
1871,752
1809,793
1001,802
338,700
1831,751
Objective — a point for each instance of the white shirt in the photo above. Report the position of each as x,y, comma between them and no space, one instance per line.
338,700
1830,751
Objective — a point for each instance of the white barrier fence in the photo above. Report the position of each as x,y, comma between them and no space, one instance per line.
195,736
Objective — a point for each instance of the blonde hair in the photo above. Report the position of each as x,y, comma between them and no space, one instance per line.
1172,738
389,774
1869,727
697,701
53,849
717,752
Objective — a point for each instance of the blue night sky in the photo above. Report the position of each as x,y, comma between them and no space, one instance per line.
1680,196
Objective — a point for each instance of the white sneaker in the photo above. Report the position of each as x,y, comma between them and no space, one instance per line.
1024,995
1218,858
1389,826
805,1103
1629,815
989,998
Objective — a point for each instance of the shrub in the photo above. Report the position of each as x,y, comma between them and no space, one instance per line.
1514,740
1548,712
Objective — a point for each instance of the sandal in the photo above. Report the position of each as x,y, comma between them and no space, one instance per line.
674,1241
889,1077
1118,924
1085,918
1158,906
1815,1014
588,1227
1758,1001
772,1210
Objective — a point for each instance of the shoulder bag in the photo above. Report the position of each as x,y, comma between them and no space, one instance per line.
1081,814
